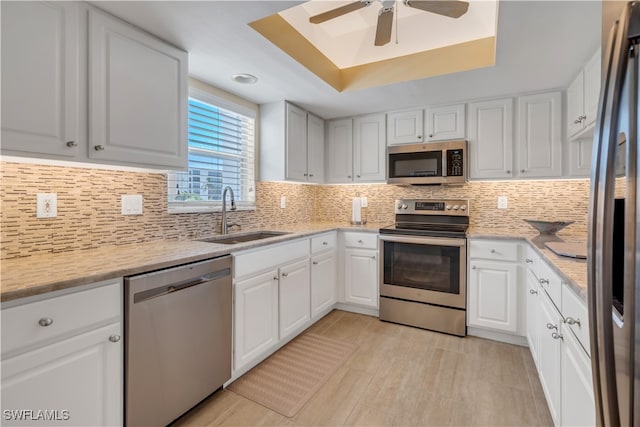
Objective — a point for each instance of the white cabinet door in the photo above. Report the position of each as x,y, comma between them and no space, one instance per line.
592,76
369,148
533,313
296,143
493,295
256,316
137,96
405,127
294,297
540,135
491,139
339,165
315,149
580,153
41,78
82,375
445,122
578,408
549,363
575,105
361,277
323,283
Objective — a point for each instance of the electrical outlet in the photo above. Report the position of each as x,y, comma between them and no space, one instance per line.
502,202
364,202
46,205
283,202
131,204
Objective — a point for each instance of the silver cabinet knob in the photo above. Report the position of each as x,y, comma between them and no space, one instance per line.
575,122
522,170
114,338
98,147
45,321
349,176
528,261
71,144
285,274
360,241
533,292
544,281
552,326
357,176
325,243
556,336
306,174
314,262
581,118
493,251
474,267
430,135
420,136
276,278
572,321
373,257
311,175
508,171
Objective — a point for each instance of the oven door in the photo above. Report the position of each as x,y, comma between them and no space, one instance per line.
424,269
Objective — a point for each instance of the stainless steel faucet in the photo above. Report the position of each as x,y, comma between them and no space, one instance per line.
223,226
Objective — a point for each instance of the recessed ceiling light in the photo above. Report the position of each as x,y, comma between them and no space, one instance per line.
244,78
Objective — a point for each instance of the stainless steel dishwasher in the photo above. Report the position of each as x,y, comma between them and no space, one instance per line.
177,339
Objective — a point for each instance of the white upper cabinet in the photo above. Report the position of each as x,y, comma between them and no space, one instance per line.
137,96
339,151
291,144
540,135
446,122
491,139
582,99
41,91
580,153
405,127
369,149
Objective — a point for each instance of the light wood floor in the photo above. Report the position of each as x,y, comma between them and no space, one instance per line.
403,376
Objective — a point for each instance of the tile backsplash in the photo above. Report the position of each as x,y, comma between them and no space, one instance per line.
89,207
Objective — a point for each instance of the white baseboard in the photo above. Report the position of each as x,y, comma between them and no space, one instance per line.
497,336
357,309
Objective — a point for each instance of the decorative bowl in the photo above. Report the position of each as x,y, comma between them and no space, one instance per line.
548,227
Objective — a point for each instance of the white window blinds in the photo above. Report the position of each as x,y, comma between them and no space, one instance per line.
221,153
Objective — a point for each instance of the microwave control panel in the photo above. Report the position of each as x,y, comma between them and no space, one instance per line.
455,162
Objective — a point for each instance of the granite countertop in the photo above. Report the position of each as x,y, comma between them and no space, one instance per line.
39,274
572,271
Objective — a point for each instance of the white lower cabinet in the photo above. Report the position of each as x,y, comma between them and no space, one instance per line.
549,352
323,283
361,278
294,297
577,402
255,316
63,359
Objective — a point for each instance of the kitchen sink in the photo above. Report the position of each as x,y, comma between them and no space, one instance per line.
245,237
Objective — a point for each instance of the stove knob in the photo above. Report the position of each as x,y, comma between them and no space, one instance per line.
455,207
463,207
448,207
404,206
399,206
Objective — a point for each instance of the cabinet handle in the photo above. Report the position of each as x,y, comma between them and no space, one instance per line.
556,336
285,274
360,241
533,292
420,136
98,147
430,135
474,267
357,176
528,261
306,174
276,278
45,321
576,122
349,176
508,172
314,262
552,326
544,281
493,251
373,257
71,144
572,321
114,338
311,175
325,243
523,170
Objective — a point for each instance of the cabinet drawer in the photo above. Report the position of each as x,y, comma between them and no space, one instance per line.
533,261
361,240
272,256
323,242
551,283
576,316
494,250
21,327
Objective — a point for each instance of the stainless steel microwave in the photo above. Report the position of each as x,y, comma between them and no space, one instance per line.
428,163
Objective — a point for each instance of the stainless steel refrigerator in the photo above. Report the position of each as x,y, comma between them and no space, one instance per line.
614,228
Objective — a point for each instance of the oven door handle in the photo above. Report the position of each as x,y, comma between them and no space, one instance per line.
441,241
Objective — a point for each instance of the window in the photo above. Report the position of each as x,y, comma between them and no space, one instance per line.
221,153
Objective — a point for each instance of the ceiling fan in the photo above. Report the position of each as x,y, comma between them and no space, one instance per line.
452,9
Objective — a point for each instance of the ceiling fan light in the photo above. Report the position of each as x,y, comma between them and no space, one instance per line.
244,78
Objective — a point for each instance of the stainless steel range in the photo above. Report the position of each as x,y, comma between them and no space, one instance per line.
423,280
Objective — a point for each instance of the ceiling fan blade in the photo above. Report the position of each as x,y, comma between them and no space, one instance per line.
385,23
452,9
339,11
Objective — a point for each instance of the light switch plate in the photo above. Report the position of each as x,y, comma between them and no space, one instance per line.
502,202
46,205
364,202
283,202
131,204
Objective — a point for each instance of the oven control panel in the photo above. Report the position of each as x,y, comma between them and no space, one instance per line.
432,207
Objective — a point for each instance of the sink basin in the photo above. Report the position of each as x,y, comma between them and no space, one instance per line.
246,237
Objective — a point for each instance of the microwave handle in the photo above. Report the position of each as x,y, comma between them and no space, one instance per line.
444,163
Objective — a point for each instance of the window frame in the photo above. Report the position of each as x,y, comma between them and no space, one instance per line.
220,99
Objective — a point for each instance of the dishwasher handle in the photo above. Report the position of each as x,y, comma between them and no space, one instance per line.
176,287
